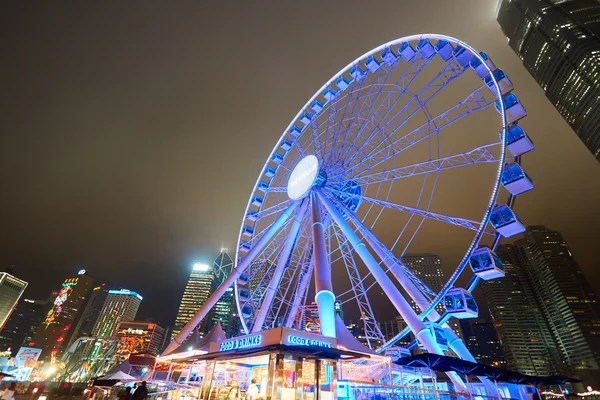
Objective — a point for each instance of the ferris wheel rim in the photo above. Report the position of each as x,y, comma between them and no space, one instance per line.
497,182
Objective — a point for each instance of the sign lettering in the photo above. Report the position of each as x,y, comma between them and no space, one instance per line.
300,341
241,343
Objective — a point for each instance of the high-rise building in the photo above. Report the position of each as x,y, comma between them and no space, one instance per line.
559,44
120,306
225,306
11,289
139,337
565,298
428,268
197,291
309,315
527,344
482,341
22,324
56,329
91,313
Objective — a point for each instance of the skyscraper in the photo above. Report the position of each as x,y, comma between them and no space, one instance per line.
91,312
482,341
56,329
428,268
120,305
198,289
559,44
22,324
567,301
225,306
11,289
527,344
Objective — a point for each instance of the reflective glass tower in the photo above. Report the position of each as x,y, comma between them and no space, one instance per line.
11,289
225,306
559,44
198,289
120,305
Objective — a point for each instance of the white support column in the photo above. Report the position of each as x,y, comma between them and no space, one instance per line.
323,288
284,258
392,263
411,318
237,271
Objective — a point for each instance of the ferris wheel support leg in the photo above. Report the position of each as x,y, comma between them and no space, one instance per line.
323,287
408,314
282,263
391,262
235,273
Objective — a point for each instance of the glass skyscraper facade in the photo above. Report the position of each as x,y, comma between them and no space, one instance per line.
545,312
225,306
120,305
198,289
559,44
11,289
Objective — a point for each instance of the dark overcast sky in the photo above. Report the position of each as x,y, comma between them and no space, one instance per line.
132,132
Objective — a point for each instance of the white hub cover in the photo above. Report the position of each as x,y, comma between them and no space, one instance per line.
303,177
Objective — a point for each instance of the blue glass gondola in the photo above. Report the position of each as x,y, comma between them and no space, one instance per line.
515,180
517,140
513,108
444,49
406,51
460,304
485,264
505,221
503,82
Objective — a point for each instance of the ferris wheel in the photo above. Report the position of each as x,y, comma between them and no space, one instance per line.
403,149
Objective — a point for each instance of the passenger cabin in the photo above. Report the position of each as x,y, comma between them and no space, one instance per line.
270,172
252,215
257,201
372,64
263,185
444,49
329,94
479,66
503,82
243,294
513,108
246,311
248,231
286,145
485,264
358,73
515,180
505,221
389,56
317,106
342,83
517,140
295,131
438,333
242,279
406,51
460,304
277,158
462,56
425,47
306,118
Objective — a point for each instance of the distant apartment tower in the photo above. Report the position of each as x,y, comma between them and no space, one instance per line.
559,44
91,313
428,268
482,341
309,316
120,305
139,337
55,331
11,289
565,298
197,291
527,344
22,324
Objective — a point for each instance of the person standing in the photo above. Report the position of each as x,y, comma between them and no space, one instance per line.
252,393
141,392
9,393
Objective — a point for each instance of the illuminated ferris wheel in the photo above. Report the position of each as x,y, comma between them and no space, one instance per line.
402,150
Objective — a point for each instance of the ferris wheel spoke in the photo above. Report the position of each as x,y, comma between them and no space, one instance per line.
463,222
282,263
478,155
372,331
301,289
451,71
368,101
473,102
273,209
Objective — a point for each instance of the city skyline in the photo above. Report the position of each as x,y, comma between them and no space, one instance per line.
172,214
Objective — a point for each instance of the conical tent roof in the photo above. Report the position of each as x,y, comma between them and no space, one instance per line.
120,376
346,339
191,341
216,334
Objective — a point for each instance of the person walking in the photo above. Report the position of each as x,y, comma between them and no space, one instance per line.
252,393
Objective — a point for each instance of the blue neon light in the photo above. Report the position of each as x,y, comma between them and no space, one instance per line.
242,343
126,292
300,341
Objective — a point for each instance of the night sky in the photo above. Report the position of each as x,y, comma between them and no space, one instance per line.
132,134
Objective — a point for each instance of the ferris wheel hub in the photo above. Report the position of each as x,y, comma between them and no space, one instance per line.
305,175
